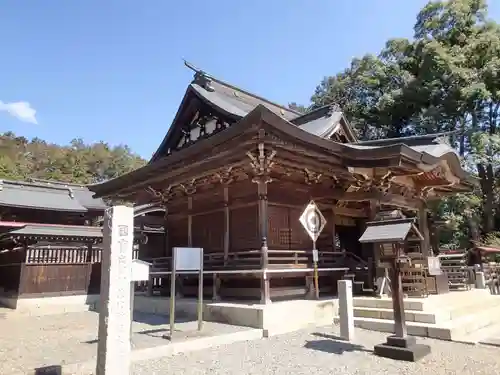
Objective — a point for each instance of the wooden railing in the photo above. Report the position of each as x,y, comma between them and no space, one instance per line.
62,255
252,259
57,254
455,267
251,262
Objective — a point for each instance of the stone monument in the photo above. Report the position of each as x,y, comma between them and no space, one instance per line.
113,350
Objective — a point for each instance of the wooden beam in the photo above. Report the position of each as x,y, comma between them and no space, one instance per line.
366,196
340,211
344,211
177,174
299,164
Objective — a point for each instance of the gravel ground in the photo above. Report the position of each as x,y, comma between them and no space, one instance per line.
316,351
69,338
30,342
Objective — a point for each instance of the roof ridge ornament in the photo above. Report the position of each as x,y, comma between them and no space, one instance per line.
332,108
203,80
443,140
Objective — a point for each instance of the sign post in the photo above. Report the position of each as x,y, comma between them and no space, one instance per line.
139,272
391,237
313,222
186,259
113,348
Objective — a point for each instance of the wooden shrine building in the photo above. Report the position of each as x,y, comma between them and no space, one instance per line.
235,171
48,240
50,236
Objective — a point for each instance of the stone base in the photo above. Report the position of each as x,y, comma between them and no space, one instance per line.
402,349
274,318
48,305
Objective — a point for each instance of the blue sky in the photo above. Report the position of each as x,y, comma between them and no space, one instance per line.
112,70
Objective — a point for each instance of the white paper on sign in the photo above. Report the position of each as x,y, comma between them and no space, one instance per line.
188,258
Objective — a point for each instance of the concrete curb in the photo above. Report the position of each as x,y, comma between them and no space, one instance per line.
491,342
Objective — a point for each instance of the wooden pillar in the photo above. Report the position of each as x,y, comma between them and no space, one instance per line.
424,229
166,240
216,288
397,300
261,163
334,230
263,233
226,224
190,221
373,251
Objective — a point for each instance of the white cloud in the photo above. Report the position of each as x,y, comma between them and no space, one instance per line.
22,110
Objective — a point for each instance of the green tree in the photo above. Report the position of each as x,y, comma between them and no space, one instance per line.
447,77
77,162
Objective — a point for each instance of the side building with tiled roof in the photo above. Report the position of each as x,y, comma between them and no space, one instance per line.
50,237
49,240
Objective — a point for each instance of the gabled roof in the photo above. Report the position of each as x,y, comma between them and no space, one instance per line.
388,231
235,103
326,121
48,195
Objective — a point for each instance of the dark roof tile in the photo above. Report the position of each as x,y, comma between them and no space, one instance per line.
56,231
48,195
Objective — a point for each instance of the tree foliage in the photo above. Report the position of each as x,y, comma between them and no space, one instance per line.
447,77
77,162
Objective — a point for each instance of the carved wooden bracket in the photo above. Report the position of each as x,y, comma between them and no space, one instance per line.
312,177
264,179
439,172
423,193
226,176
190,187
380,184
262,162
341,204
164,196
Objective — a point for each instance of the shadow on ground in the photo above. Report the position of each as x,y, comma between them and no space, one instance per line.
153,320
333,344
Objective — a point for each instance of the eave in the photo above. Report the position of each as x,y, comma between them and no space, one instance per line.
352,156
52,232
